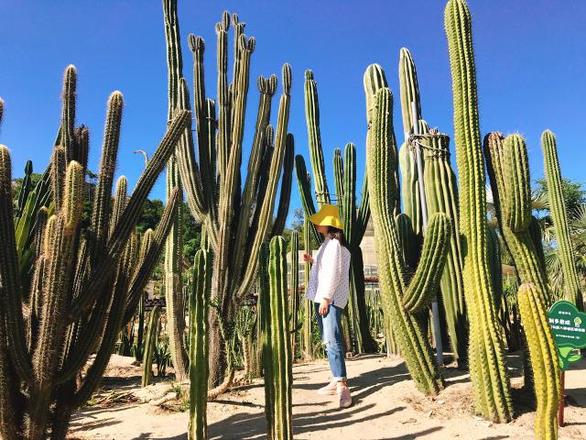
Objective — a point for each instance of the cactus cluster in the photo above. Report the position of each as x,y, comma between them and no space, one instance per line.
441,195
508,169
276,339
86,278
402,300
427,151
235,210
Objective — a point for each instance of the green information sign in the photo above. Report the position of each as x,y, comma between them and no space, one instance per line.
568,326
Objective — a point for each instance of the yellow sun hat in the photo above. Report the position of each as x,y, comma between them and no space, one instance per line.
328,215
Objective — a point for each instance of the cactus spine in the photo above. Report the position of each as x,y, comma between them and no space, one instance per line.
401,301
544,361
80,291
198,345
560,218
149,346
277,353
487,369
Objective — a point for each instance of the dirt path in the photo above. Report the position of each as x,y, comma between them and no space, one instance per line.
387,407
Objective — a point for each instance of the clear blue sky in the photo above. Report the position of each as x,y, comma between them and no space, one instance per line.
531,63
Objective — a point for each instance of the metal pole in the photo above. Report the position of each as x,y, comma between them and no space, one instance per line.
437,334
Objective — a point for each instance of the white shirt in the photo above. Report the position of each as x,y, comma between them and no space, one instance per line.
330,274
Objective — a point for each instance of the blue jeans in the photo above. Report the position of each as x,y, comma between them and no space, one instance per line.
330,330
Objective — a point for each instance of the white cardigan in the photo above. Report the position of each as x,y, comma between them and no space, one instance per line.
330,274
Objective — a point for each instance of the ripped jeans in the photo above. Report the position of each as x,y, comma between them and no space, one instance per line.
330,329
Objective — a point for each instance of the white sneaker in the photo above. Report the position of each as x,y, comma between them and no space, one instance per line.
329,389
344,396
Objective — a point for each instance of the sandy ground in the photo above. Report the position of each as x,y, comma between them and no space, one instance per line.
387,407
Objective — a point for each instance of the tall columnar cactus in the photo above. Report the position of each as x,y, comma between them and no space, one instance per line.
402,301
411,115
277,353
354,222
508,169
441,194
308,310
486,356
174,301
314,137
236,211
375,79
544,360
84,280
149,347
294,297
198,344
560,218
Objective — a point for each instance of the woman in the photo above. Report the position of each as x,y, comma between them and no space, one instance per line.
328,288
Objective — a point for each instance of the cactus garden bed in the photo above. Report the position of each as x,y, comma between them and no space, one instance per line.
387,406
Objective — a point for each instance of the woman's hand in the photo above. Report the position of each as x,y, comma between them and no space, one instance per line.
307,257
324,307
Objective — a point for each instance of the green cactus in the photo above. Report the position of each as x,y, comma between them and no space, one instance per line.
486,357
375,79
411,113
277,352
508,169
314,136
294,298
174,300
198,345
77,280
544,360
402,301
560,219
441,194
308,310
235,211
149,346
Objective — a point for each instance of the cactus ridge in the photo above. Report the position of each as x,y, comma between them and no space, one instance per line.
544,360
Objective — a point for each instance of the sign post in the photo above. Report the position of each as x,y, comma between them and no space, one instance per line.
568,326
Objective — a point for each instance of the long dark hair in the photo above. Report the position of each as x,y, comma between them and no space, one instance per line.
338,234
